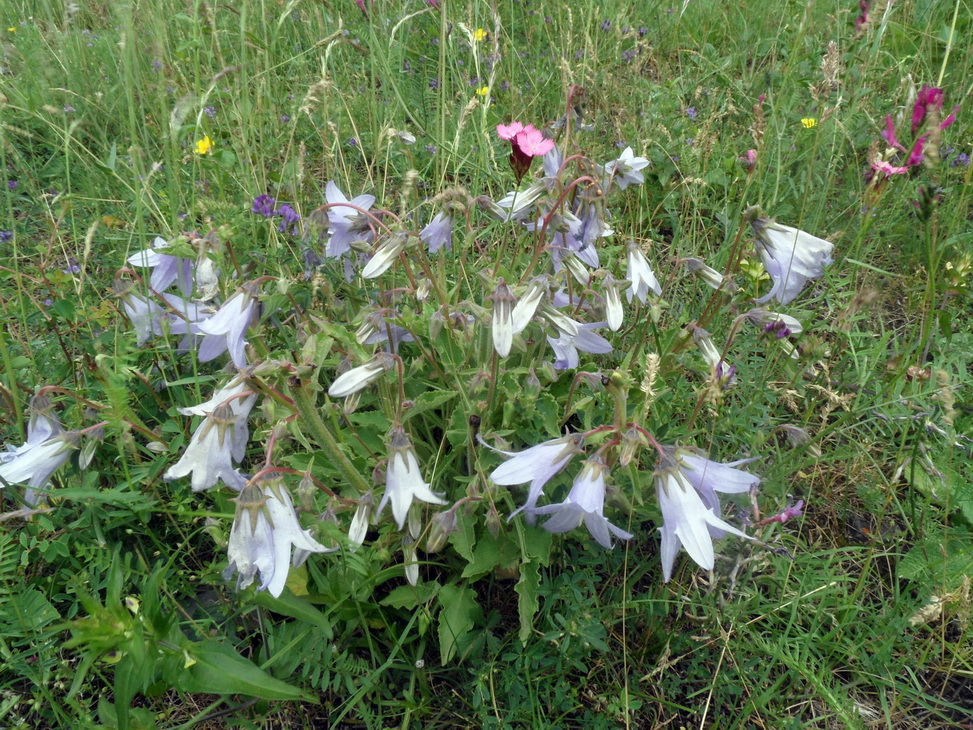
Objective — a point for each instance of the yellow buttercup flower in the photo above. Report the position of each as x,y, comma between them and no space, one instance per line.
204,146
479,35
12,29
483,91
809,122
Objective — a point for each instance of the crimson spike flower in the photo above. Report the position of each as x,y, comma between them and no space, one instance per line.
585,503
536,465
526,143
264,530
791,257
403,478
686,486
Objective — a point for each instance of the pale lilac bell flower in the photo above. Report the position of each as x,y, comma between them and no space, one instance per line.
626,170
347,224
438,233
403,479
639,273
264,530
502,326
166,268
686,486
361,377
566,348
214,447
791,257
47,448
225,330
535,465
585,503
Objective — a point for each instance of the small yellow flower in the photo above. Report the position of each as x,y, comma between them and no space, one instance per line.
204,146
12,29
809,122
479,35
483,91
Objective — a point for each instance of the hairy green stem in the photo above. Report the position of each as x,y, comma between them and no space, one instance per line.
308,411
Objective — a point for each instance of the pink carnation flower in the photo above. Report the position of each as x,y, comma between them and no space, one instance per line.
509,131
533,143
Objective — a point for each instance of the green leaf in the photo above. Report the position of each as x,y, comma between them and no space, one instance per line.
490,552
26,612
527,604
939,560
455,619
428,401
463,539
218,669
296,607
537,544
411,596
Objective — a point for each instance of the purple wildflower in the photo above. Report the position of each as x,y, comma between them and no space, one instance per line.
691,112
289,218
264,205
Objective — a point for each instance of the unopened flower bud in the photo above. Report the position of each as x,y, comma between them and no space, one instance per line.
632,440
359,523
306,491
440,528
493,522
410,560
547,371
436,322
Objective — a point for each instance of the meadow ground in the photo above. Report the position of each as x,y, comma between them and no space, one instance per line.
308,207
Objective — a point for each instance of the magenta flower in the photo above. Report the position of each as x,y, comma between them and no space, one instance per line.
795,510
929,99
749,160
889,134
862,19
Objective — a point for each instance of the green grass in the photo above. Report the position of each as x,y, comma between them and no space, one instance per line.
854,615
